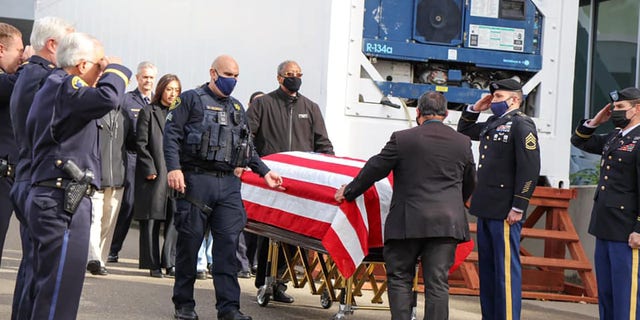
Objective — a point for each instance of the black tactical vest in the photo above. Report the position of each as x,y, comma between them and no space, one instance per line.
222,135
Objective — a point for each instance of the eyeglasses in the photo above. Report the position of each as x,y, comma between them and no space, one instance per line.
291,74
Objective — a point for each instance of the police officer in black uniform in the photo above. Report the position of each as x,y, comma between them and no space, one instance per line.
11,50
65,168
206,139
47,33
615,219
508,171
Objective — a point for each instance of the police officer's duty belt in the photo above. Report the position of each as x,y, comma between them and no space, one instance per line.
218,174
62,184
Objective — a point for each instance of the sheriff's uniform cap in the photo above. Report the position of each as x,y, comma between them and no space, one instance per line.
505,84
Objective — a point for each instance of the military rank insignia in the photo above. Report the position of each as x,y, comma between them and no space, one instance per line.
77,82
530,142
169,116
174,104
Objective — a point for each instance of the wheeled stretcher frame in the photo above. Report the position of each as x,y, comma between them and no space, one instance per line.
310,264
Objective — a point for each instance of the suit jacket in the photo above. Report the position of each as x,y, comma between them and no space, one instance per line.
616,201
509,163
434,174
150,198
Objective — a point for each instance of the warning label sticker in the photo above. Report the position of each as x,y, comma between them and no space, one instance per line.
485,8
496,38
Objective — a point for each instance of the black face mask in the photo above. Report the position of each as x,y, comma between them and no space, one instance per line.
619,118
292,83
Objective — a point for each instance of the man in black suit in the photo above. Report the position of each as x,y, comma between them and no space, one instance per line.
134,101
508,171
434,175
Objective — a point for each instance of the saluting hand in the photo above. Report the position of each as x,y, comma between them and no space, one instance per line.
483,104
513,217
634,240
602,116
175,179
27,53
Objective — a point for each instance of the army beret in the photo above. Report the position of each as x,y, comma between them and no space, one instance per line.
505,84
630,93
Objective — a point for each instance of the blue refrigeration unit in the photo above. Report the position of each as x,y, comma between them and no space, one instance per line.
453,46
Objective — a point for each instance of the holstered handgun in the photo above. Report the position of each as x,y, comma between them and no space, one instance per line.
78,187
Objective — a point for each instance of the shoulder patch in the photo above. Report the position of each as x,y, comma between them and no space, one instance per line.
78,83
175,103
530,142
237,106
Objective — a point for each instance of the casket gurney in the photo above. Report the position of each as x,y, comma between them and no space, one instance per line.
337,245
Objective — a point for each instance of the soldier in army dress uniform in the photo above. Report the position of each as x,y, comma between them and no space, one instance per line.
508,171
615,220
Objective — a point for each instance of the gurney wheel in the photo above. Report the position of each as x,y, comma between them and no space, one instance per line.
263,296
325,300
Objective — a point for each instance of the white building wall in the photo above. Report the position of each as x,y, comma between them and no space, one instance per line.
184,36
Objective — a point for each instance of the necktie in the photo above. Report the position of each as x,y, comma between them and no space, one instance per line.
146,100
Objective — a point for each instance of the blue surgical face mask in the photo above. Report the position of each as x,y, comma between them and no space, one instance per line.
499,108
225,84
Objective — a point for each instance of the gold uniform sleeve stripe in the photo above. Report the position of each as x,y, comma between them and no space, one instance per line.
583,136
120,74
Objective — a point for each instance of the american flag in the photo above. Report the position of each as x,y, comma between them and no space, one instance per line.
307,205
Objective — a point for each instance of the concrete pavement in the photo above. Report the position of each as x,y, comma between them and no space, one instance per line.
128,293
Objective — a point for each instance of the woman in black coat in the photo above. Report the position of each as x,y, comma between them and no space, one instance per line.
152,205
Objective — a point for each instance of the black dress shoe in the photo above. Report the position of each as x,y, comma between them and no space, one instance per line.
201,275
113,258
94,267
185,313
155,273
280,295
171,272
234,315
